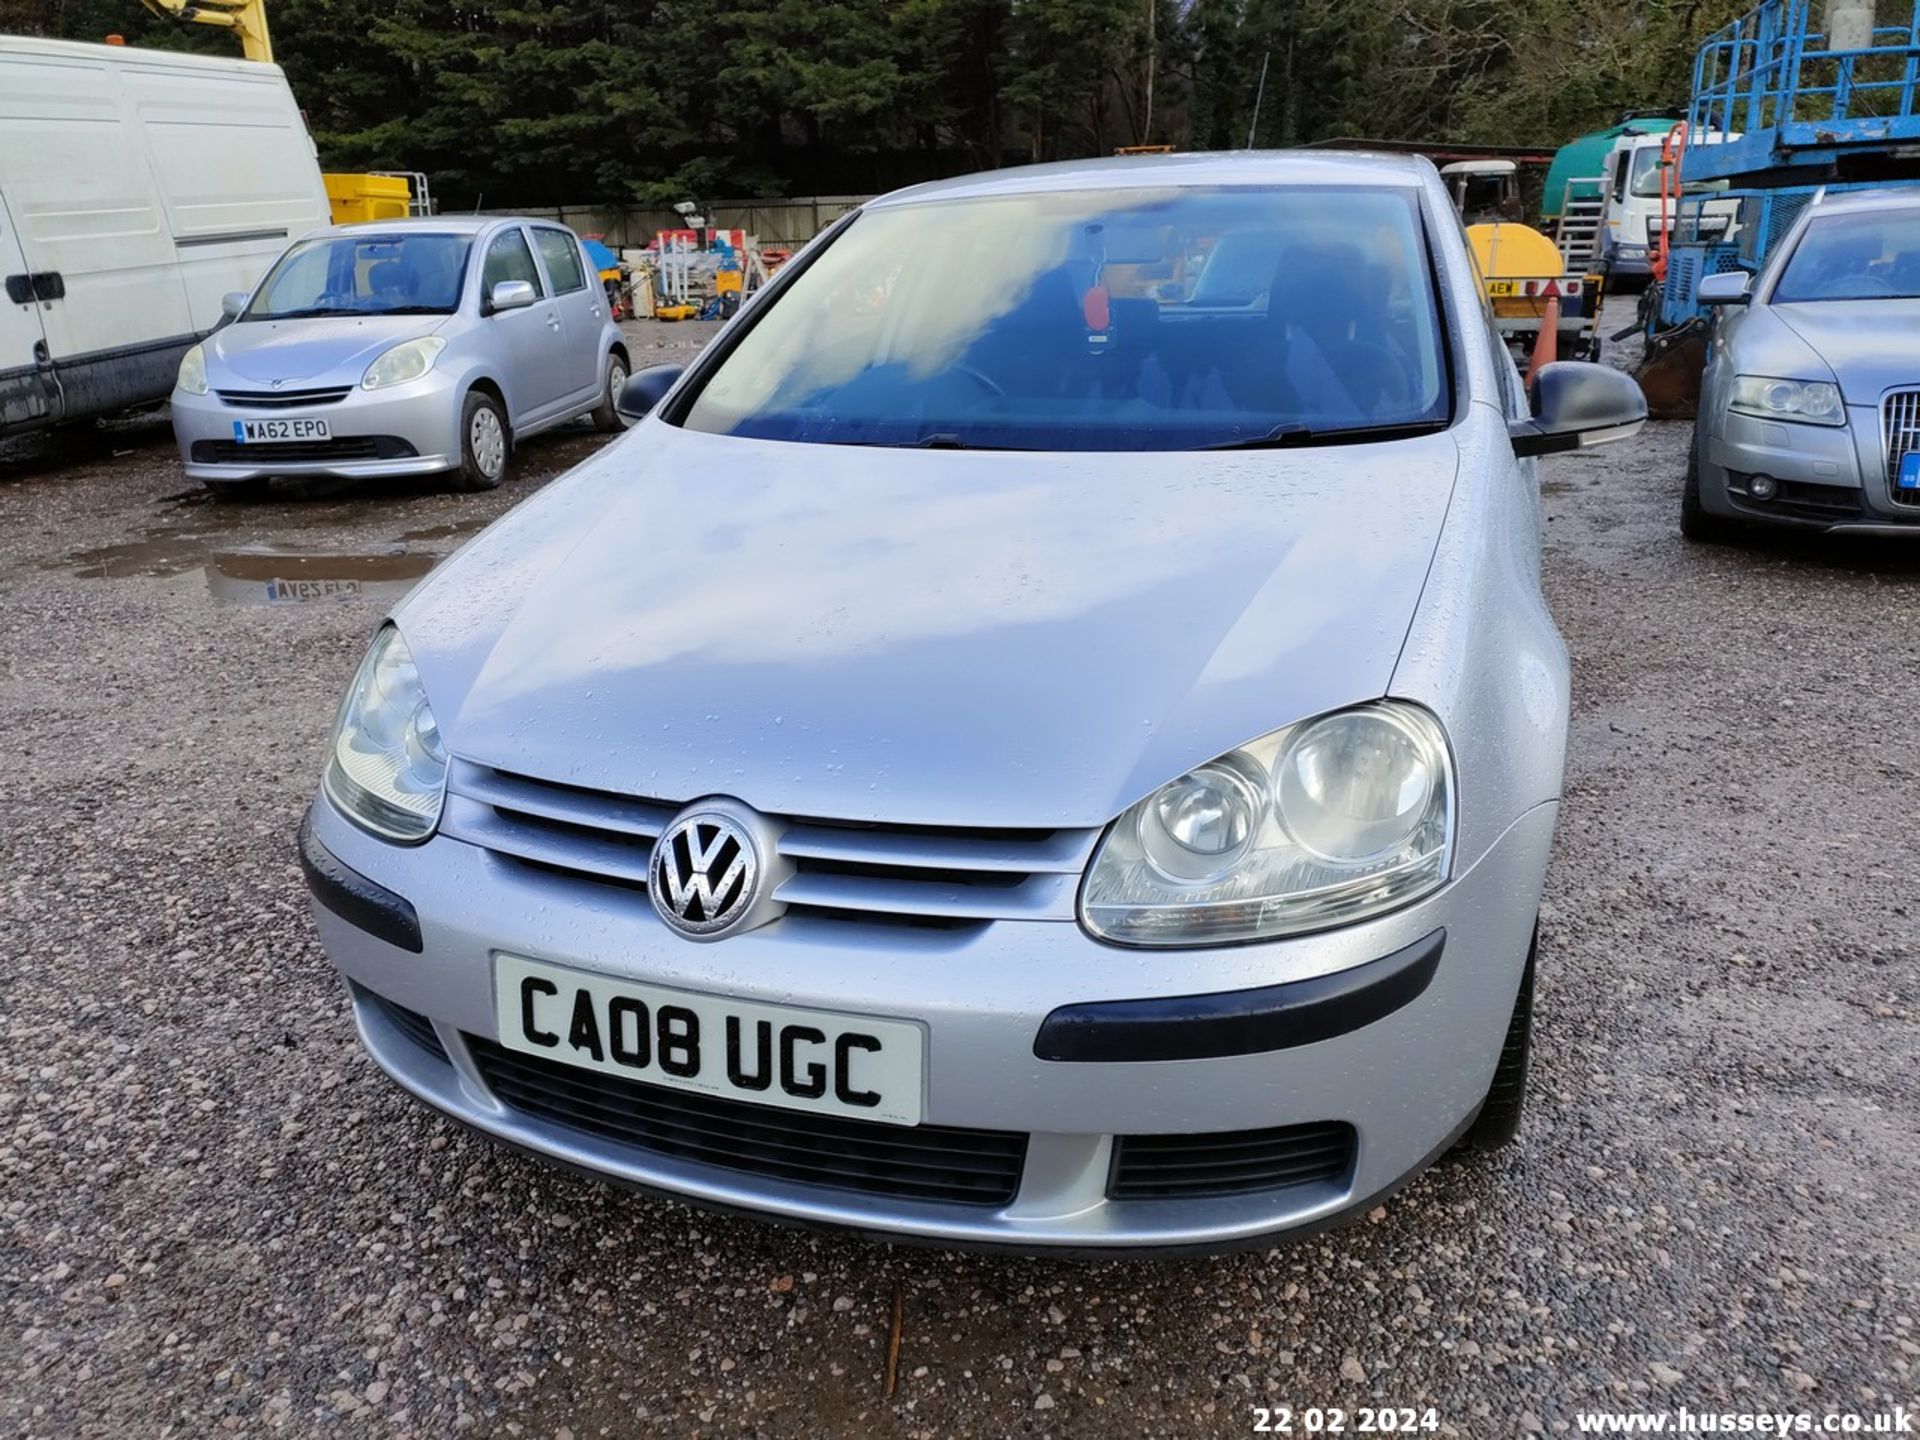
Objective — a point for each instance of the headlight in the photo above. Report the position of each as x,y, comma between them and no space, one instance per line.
388,769
408,360
193,371
1322,823
1811,402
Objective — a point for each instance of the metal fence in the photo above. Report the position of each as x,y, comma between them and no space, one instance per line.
788,222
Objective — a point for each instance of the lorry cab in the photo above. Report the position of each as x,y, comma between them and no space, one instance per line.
1630,230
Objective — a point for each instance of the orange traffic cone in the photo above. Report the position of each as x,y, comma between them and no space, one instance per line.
1546,345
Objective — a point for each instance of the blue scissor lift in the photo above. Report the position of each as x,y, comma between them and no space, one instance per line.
1781,111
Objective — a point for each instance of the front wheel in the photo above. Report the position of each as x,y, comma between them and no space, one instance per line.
1499,1118
606,415
484,443
1697,523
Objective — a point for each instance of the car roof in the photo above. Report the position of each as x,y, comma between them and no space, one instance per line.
432,225
1890,197
1203,168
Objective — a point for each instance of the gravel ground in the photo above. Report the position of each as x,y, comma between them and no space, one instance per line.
218,1217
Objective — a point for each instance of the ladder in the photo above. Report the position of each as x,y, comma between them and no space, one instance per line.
1577,232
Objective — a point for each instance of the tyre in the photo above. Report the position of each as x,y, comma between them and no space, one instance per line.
239,491
484,443
1499,1118
607,418
1697,523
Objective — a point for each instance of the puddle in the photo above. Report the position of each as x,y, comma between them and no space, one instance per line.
254,574
269,577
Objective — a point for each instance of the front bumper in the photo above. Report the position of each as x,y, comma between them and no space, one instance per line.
1828,477
1407,1083
1623,259
424,415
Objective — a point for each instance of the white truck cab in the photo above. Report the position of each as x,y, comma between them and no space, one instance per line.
1630,227
136,188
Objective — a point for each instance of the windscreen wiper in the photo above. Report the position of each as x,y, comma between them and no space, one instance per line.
939,440
1282,437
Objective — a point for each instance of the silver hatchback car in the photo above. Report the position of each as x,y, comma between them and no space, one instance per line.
1810,404
1012,750
401,348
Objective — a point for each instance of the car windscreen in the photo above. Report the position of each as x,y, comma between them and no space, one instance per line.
1127,319
1645,181
1868,255
364,275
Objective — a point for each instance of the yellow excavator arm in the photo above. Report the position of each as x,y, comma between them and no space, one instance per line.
246,18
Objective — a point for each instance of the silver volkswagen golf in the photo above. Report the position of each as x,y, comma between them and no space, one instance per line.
1019,747
410,347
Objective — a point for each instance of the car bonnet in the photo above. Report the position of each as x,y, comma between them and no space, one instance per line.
935,637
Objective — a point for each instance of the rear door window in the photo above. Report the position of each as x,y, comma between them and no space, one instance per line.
562,254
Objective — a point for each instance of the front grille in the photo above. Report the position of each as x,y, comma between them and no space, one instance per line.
934,875
1232,1162
937,1163
1900,433
284,399
341,447
410,1023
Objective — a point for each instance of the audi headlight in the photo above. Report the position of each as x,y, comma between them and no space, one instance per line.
388,768
193,371
408,360
1810,402
1323,823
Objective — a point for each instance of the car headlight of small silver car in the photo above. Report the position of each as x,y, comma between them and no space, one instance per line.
1323,823
409,360
387,768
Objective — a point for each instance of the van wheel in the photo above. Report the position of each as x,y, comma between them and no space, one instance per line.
1499,1118
1697,523
239,491
484,443
606,415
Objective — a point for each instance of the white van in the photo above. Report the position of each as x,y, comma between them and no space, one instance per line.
136,188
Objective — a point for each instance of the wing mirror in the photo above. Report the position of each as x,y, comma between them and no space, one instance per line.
1577,403
232,303
510,295
645,390
1735,287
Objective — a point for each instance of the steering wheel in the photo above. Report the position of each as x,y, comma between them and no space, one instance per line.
1395,384
985,382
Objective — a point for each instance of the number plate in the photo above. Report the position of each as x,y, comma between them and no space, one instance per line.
271,432
853,1065
1910,470
1502,287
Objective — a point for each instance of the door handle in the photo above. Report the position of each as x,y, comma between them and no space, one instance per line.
44,285
553,322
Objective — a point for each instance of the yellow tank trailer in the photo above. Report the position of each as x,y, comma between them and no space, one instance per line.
1523,271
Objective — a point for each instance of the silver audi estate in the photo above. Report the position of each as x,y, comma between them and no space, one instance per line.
1022,745
404,347
1810,404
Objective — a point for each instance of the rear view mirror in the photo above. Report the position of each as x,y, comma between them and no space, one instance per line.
511,295
1732,288
232,303
1576,403
645,390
